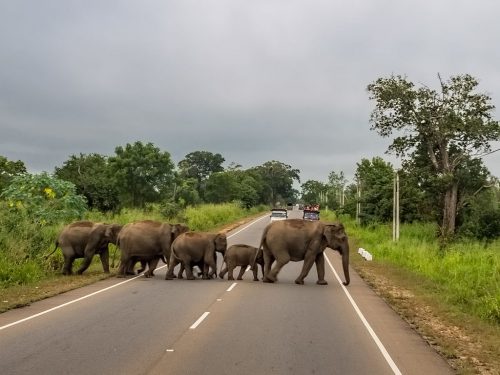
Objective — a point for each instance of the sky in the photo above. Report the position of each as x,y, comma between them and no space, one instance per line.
255,81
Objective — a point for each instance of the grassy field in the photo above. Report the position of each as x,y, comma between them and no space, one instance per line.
451,296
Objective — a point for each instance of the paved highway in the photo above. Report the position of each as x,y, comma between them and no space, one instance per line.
154,326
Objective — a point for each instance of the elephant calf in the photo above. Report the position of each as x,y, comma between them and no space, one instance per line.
243,256
192,248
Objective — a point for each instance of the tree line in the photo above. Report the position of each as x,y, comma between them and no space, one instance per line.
440,134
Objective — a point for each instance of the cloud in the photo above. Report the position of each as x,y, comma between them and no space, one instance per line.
254,81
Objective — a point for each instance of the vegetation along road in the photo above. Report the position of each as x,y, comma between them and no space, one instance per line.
153,326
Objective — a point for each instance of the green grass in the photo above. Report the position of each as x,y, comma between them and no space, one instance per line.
466,274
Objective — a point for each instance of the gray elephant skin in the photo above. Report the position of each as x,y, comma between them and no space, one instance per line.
242,255
192,248
295,240
146,241
84,239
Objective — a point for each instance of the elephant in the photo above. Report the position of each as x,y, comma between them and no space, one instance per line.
296,240
146,241
191,248
84,239
243,256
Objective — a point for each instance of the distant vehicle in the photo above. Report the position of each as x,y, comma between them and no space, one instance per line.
301,207
289,206
312,207
310,215
279,214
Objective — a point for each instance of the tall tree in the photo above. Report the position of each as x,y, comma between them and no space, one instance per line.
200,165
232,185
376,179
9,169
142,172
337,182
452,124
92,178
279,178
313,191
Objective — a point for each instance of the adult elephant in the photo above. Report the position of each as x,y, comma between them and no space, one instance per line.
146,241
192,248
296,240
84,239
242,255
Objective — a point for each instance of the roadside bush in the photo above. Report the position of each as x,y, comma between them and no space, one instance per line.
43,199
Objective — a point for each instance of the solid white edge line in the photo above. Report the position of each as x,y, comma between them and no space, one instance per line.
71,302
374,336
103,290
231,287
249,225
200,319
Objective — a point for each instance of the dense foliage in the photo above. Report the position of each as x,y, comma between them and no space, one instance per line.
448,128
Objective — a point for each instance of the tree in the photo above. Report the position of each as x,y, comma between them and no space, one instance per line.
200,165
312,191
143,173
337,183
278,178
232,185
9,169
376,180
93,179
452,125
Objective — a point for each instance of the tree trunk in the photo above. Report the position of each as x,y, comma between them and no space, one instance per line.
450,211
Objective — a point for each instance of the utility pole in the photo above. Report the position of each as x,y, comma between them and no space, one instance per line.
395,208
358,204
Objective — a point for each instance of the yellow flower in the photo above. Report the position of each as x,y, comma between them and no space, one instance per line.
49,193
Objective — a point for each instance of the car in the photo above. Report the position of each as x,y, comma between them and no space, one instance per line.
279,214
310,215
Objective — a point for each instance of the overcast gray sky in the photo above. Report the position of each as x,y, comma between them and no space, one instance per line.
252,80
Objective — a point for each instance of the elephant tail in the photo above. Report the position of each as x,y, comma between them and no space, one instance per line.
52,252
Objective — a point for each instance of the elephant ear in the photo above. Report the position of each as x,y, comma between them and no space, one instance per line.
335,235
220,241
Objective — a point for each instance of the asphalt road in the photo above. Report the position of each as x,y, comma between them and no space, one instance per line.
154,326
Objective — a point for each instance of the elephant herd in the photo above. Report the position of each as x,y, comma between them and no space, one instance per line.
148,241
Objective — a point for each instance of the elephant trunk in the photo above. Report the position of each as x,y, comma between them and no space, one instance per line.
345,263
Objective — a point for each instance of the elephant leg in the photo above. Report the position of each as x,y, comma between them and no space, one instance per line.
189,269
309,259
255,271
210,265
152,266
320,268
170,273
69,257
105,260
86,263
181,271
272,276
230,270
242,271
268,261
122,269
223,271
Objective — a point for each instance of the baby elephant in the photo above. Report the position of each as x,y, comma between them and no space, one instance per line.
243,256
